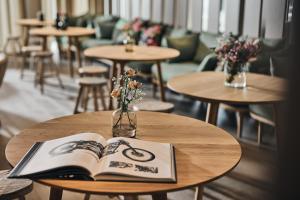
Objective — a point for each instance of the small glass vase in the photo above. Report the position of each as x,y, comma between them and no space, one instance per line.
124,123
129,43
235,75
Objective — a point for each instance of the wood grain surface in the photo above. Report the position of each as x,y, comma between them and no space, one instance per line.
140,53
13,188
203,152
70,31
209,86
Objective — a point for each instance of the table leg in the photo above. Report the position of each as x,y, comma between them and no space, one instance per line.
78,55
160,81
55,193
70,57
212,113
44,43
26,36
199,193
113,73
277,120
131,197
159,196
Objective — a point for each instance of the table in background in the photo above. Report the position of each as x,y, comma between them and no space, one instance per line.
70,32
209,87
118,55
203,151
32,23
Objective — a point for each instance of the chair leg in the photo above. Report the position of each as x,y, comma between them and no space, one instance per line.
154,89
95,98
87,196
101,92
57,74
259,133
199,193
85,97
78,100
239,121
22,66
41,78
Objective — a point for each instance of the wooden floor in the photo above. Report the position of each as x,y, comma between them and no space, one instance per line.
22,105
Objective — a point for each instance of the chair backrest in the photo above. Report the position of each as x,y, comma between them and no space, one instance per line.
3,66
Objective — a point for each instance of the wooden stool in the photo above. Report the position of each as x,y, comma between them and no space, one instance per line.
14,43
26,52
92,71
39,58
154,105
94,85
13,188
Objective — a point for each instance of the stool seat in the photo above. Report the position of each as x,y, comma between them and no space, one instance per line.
91,70
92,81
42,54
154,105
31,48
13,188
13,37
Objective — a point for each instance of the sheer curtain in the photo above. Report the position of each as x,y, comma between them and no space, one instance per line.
10,12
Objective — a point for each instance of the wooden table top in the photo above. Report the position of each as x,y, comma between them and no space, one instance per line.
140,53
209,86
203,151
34,22
70,31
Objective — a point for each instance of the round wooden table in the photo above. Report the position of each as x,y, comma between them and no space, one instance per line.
118,55
209,87
70,32
203,151
30,23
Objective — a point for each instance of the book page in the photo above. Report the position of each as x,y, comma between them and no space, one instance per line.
134,157
84,150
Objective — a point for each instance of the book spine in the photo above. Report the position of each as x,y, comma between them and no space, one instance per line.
15,173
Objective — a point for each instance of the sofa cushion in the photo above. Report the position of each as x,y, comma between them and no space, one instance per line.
186,45
174,33
209,39
202,51
170,70
95,42
106,29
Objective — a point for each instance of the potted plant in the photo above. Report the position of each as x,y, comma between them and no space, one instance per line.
235,55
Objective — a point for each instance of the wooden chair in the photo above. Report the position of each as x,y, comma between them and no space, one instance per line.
92,85
240,112
263,114
40,58
13,188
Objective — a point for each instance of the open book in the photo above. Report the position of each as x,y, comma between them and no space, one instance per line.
89,156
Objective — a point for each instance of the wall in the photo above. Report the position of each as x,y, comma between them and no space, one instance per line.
259,17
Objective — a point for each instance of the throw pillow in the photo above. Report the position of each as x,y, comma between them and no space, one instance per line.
186,45
202,51
106,29
151,36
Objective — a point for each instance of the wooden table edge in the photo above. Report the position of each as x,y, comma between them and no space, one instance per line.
133,193
209,100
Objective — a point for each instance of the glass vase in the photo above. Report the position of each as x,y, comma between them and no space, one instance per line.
124,123
235,75
129,43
